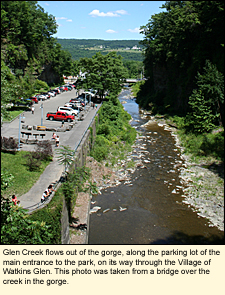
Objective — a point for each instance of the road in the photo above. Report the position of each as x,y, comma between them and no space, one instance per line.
71,138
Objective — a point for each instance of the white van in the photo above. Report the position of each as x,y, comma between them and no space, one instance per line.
69,111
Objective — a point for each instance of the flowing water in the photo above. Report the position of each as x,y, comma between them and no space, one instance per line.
153,212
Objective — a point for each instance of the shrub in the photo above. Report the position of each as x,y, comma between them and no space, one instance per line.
33,161
44,149
8,143
51,215
18,228
213,145
101,148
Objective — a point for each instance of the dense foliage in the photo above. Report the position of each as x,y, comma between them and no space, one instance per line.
104,73
113,129
29,53
16,226
177,44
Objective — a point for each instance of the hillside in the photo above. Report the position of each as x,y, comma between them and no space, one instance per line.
78,48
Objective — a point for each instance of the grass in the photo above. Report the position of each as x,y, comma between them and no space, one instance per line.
14,112
23,178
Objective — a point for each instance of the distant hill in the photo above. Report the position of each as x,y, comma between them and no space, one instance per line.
78,48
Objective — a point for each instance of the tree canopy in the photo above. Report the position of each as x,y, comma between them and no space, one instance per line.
177,44
104,73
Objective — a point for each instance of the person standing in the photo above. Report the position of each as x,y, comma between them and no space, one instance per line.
57,141
32,109
54,136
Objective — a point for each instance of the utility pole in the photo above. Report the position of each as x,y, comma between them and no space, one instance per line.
19,132
41,107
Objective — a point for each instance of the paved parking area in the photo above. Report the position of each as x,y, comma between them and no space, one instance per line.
71,138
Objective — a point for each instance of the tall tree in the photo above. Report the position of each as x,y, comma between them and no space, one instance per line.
103,73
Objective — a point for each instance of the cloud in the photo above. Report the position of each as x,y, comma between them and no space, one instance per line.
117,13
136,30
122,11
110,31
47,4
96,12
69,20
62,17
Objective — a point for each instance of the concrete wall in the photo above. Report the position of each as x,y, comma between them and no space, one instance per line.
65,233
80,159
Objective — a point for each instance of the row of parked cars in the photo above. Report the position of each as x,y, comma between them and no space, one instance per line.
44,95
51,93
69,111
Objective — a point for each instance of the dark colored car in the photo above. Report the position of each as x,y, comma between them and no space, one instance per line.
24,102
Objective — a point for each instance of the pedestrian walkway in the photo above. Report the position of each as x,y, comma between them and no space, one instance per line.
54,171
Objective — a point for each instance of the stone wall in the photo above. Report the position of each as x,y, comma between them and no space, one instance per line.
65,233
80,159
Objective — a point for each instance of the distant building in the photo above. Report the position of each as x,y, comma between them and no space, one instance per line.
136,48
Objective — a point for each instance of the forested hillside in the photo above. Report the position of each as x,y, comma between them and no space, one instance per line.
184,62
109,44
80,48
29,53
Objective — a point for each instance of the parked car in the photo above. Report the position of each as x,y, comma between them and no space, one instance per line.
46,94
24,102
41,97
69,87
72,85
74,100
74,106
57,91
52,93
63,88
68,110
60,116
34,99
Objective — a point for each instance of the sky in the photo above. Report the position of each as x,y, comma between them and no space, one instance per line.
107,20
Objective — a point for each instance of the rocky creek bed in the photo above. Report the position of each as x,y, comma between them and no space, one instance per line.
203,188
203,184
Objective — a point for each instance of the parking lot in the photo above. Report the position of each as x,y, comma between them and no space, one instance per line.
39,118
70,138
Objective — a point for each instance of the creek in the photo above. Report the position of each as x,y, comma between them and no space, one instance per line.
148,209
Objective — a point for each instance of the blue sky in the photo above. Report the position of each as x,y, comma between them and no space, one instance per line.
108,20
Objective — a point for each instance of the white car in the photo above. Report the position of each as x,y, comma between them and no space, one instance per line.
74,106
69,111
52,94
41,97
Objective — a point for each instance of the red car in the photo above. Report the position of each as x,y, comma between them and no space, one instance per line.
34,99
60,116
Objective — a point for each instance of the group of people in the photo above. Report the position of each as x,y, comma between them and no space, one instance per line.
56,138
47,193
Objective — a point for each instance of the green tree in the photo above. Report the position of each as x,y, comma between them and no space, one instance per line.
9,89
105,73
66,156
18,228
177,42
207,101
